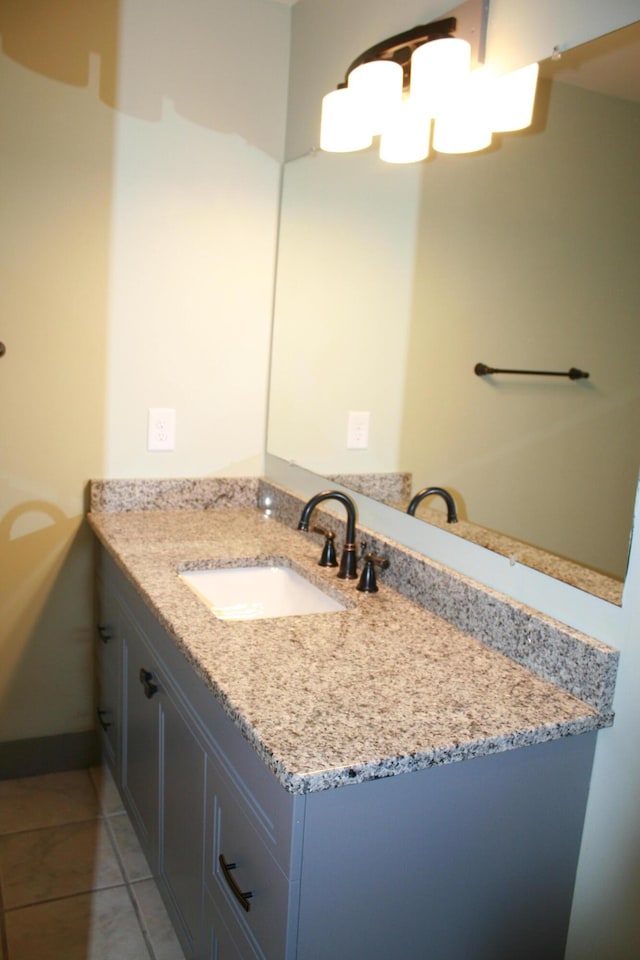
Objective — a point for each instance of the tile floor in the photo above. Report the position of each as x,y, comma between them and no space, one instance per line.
74,883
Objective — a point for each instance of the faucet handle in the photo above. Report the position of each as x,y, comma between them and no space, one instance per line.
328,558
367,582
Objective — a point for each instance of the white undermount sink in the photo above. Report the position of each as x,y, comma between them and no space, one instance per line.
258,592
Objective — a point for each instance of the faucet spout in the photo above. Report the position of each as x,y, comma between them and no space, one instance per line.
452,516
348,561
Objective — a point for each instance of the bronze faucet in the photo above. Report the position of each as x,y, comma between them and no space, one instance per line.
348,562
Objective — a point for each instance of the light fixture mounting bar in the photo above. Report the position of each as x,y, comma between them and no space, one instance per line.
473,18
467,21
400,47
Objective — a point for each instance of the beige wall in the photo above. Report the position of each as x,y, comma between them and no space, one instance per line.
198,141
56,184
141,148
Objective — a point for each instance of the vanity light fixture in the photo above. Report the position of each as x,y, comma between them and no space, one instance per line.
427,87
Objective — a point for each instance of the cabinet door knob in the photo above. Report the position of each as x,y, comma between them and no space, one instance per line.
146,678
242,898
103,723
104,633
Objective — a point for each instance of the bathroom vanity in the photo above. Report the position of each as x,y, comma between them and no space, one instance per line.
371,782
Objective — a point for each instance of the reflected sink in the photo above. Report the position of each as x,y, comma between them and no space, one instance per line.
256,593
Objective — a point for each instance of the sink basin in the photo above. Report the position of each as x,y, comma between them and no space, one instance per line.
256,593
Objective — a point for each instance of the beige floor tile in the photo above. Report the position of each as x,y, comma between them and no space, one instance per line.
108,796
155,921
54,798
128,847
39,865
102,926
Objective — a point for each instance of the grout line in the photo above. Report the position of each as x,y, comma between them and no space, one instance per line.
50,826
116,851
67,896
143,931
127,885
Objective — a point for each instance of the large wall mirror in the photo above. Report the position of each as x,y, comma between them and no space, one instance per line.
393,282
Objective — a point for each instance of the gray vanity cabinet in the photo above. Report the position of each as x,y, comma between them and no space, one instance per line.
472,860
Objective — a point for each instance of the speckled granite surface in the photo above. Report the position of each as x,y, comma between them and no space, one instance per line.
386,487
599,584
378,689
199,493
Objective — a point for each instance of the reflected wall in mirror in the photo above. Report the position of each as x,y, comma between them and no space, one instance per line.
393,282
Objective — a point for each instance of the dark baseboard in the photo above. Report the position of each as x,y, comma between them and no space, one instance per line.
67,751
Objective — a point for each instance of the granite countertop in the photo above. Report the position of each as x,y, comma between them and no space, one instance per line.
378,689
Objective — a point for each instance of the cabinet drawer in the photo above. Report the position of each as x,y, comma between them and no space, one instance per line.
269,912
223,938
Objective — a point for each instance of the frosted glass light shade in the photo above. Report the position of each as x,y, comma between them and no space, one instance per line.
343,127
464,127
378,87
438,69
511,99
405,139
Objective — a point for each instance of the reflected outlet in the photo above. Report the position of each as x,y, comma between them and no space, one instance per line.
358,430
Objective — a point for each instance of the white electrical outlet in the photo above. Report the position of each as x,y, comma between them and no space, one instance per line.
358,430
161,432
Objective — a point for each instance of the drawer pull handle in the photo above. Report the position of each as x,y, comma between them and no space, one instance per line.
242,898
103,723
146,681
104,633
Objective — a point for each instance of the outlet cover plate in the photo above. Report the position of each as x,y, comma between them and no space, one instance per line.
161,429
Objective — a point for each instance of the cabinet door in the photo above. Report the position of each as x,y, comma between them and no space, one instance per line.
163,778
182,823
224,940
108,663
108,714
140,766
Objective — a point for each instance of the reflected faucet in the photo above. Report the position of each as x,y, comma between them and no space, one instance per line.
452,516
348,561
